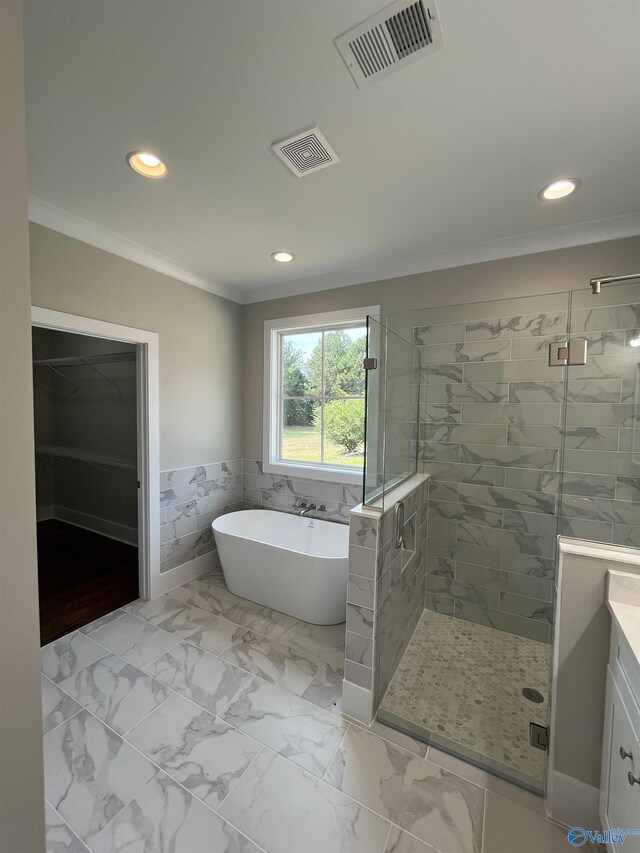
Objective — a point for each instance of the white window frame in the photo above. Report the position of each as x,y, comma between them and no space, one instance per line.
273,331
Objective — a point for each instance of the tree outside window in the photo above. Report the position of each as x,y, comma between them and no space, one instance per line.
322,396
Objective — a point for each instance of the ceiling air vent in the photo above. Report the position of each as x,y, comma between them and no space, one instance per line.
389,40
306,152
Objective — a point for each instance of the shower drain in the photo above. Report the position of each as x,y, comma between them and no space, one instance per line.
532,695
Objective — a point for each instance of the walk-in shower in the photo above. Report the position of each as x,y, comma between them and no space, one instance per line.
517,450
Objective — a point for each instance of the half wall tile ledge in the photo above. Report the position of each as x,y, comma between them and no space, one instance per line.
397,493
366,511
599,550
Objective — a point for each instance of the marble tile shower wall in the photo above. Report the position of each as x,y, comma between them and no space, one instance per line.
601,491
491,433
287,494
489,437
190,499
401,585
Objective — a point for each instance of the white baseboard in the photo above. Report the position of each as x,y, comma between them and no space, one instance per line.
571,802
120,532
44,513
166,581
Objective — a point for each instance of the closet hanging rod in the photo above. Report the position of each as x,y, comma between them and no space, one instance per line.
103,467
79,455
87,360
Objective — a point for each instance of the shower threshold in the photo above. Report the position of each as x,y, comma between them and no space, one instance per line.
459,687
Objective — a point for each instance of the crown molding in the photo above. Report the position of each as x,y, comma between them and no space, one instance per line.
50,216
583,233
596,231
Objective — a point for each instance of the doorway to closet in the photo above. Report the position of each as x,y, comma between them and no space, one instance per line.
87,481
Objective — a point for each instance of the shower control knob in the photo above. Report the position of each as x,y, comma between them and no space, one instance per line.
624,754
633,780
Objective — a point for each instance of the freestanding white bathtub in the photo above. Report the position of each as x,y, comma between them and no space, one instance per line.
295,565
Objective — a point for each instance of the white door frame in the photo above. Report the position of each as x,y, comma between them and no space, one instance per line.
148,415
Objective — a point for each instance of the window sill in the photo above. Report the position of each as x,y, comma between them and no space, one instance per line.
310,472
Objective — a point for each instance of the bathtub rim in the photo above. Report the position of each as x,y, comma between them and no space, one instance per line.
238,536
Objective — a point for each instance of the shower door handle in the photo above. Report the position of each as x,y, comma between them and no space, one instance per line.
398,524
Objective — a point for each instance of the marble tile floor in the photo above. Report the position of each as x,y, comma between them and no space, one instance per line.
459,685
231,741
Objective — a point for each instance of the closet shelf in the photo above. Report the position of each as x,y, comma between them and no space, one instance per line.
80,360
95,457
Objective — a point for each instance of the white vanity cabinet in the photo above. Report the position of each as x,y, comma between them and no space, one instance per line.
620,779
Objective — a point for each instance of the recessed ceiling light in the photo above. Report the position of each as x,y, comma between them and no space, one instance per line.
635,342
147,164
283,257
559,189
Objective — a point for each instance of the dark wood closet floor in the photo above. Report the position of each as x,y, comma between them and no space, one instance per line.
82,576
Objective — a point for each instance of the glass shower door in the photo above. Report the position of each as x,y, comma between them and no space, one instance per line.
475,674
600,497
391,422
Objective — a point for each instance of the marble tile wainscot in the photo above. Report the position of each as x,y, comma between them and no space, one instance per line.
385,596
190,499
287,494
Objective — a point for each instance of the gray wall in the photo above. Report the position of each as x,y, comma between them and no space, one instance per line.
583,651
545,272
21,790
200,339
582,635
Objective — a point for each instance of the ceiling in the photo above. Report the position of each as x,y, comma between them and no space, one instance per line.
440,162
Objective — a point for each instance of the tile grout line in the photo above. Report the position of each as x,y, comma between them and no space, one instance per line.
131,746
333,755
421,840
240,778
109,654
323,781
160,769
218,615
275,643
263,746
245,630
172,692
79,711
484,823
386,841
218,715
72,831
139,667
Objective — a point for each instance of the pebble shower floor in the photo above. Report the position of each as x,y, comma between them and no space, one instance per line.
461,685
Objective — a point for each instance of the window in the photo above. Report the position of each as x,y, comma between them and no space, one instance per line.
314,395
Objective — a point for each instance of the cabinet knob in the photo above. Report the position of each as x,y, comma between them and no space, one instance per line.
624,754
633,780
